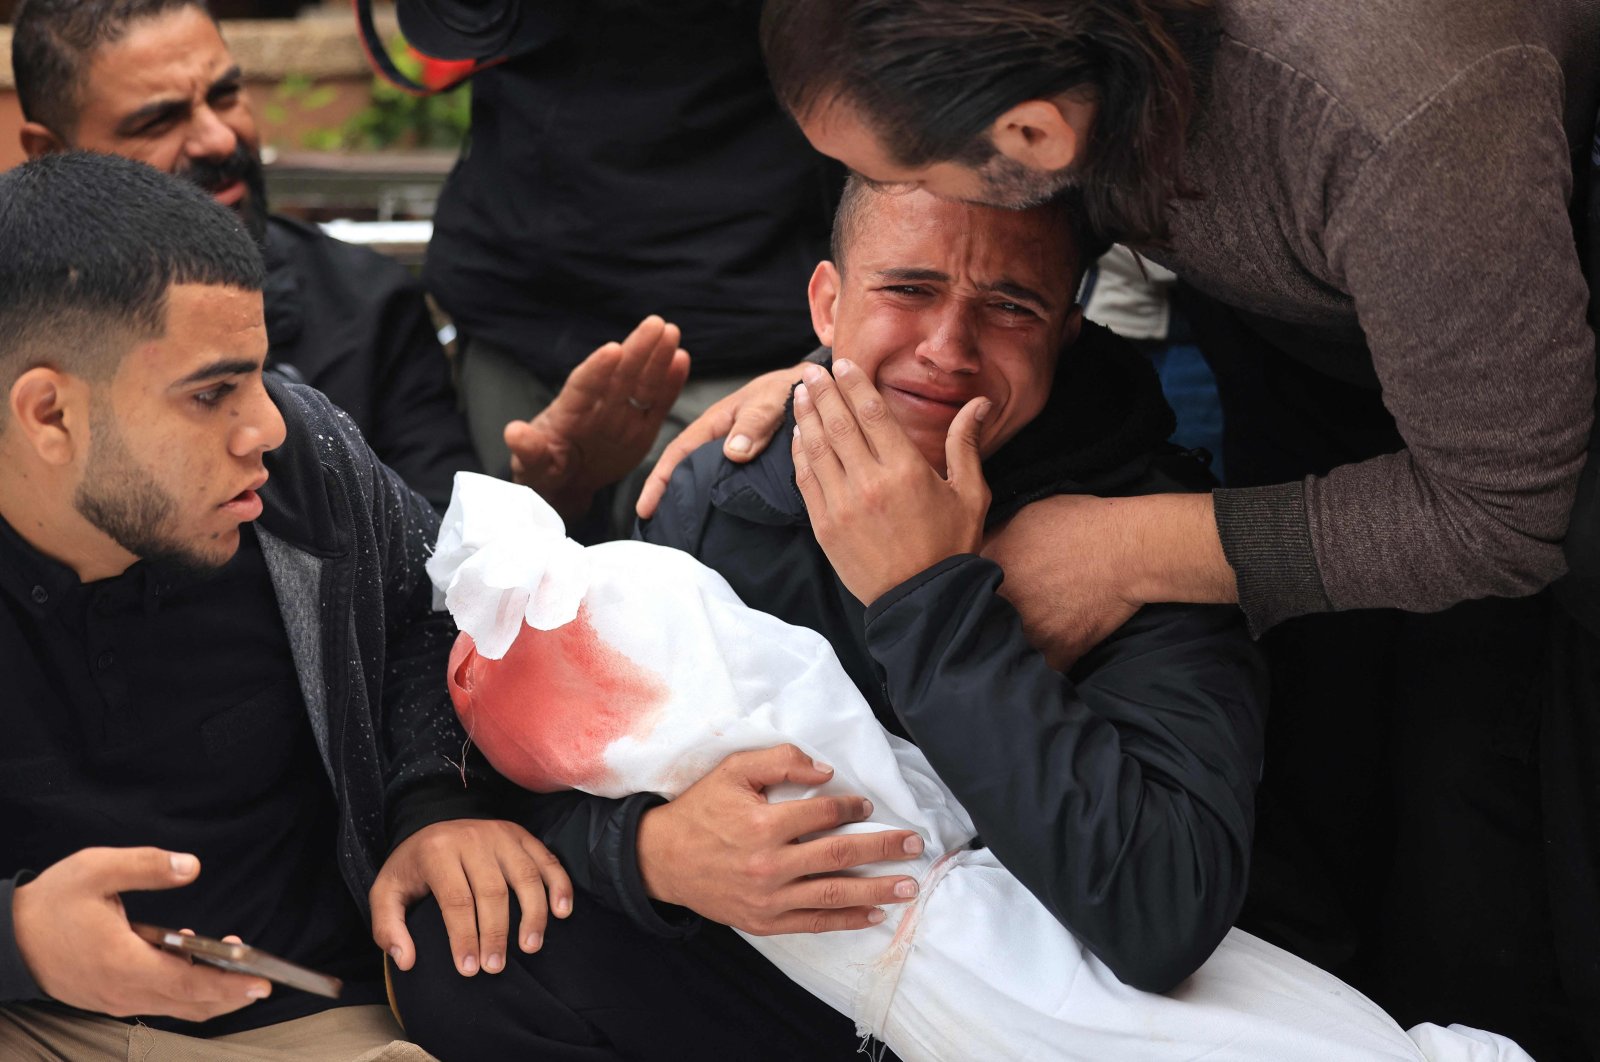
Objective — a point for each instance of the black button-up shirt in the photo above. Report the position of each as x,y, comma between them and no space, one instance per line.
150,709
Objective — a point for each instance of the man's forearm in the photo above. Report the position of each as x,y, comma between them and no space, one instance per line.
1140,550
1173,550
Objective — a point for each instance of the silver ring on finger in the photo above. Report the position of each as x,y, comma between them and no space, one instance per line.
642,407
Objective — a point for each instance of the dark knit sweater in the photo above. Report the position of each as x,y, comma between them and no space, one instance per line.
1384,186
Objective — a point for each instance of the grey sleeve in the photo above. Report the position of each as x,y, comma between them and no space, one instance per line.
1455,243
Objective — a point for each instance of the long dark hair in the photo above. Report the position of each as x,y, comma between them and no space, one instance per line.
931,76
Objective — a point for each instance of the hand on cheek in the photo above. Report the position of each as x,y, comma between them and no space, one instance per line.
878,509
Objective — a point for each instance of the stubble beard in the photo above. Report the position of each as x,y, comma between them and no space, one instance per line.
121,499
1010,185
245,165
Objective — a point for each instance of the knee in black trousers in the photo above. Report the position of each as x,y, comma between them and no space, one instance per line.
602,989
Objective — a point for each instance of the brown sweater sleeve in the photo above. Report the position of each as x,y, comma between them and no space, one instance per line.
1454,242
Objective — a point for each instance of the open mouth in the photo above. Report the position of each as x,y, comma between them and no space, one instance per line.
246,505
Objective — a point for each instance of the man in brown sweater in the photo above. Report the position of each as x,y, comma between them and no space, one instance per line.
1368,201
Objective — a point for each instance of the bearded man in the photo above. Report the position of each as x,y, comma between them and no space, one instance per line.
224,708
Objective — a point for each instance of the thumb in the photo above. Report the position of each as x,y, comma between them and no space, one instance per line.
138,869
963,462
752,429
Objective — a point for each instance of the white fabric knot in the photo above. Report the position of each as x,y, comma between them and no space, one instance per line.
503,558
881,979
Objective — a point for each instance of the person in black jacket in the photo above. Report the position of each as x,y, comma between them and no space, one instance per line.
1117,787
353,324
225,707
154,81
626,156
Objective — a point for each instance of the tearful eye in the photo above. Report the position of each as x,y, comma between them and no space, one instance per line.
1014,309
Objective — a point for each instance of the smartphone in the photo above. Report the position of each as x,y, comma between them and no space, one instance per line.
240,958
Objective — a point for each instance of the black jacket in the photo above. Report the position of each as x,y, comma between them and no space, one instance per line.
629,158
345,541
1121,793
354,325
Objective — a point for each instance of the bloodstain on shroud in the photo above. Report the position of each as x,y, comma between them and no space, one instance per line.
545,712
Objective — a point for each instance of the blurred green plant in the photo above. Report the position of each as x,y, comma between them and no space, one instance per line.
296,92
394,119
399,119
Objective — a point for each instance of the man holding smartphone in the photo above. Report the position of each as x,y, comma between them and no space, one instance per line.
224,706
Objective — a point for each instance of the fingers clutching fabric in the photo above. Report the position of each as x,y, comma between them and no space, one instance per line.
722,850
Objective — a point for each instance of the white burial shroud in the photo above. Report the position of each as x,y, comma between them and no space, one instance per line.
628,667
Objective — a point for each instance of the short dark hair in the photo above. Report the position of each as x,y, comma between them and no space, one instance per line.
53,42
931,76
90,245
1065,212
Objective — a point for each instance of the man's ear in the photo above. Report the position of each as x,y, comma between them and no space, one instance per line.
49,409
37,140
823,292
1069,335
1044,135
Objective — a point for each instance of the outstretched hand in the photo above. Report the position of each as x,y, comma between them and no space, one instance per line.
879,510
603,421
